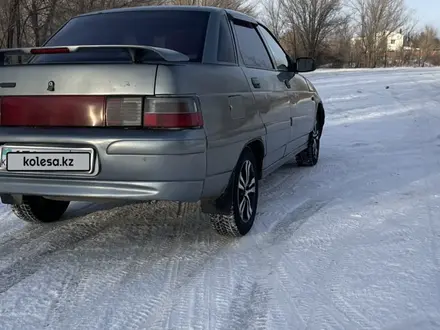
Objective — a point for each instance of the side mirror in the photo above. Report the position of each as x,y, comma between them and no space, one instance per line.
305,64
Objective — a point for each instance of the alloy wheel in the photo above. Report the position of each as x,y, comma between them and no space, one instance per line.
246,191
315,141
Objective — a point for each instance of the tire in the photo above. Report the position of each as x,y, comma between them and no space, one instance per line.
244,191
37,209
310,155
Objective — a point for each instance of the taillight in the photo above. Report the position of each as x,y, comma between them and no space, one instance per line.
171,112
99,111
153,112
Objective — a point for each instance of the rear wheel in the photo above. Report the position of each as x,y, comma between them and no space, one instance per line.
35,209
244,192
310,155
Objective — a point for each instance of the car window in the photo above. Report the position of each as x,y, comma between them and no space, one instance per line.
182,31
225,52
278,53
251,47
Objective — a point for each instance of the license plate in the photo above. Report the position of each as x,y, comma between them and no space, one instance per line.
45,160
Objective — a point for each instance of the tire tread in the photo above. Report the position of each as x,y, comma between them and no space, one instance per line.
40,210
24,212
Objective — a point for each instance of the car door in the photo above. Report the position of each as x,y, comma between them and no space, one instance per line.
271,95
292,84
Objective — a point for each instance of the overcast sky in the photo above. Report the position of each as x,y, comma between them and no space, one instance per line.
427,11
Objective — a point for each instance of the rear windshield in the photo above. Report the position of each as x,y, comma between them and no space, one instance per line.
182,31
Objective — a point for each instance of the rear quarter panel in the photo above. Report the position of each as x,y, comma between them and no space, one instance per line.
230,117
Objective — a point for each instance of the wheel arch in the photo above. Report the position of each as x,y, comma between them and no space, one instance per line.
257,148
320,115
223,203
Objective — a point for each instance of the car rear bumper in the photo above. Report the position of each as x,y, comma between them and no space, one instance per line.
83,190
128,164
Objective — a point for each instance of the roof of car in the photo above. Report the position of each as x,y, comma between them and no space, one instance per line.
233,13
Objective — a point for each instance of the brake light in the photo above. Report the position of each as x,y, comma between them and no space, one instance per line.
59,50
171,112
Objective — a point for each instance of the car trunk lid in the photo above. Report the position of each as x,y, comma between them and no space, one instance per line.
68,95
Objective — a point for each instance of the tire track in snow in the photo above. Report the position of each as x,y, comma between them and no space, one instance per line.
153,306
28,265
354,183
8,225
57,237
55,311
250,306
30,233
364,240
434,249
176,308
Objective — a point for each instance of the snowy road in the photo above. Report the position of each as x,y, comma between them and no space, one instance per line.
353,243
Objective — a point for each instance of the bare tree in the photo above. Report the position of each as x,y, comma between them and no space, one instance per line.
41,18
427,42
30,22
68,8
273,17
11,12
377,19
339,45
39,15
313,21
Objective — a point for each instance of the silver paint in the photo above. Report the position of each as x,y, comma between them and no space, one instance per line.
178,165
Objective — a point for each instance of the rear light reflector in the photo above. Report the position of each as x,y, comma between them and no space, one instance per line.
56,110
171,112
124,111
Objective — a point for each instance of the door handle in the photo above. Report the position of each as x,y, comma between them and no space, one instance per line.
255,82
287,83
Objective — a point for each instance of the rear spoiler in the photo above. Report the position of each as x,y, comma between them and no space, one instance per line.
164,54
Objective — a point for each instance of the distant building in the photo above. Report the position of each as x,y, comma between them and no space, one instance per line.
394,42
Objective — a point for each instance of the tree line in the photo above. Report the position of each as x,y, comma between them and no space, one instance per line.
337,33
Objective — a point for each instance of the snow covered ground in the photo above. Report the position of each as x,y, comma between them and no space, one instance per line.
350,244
